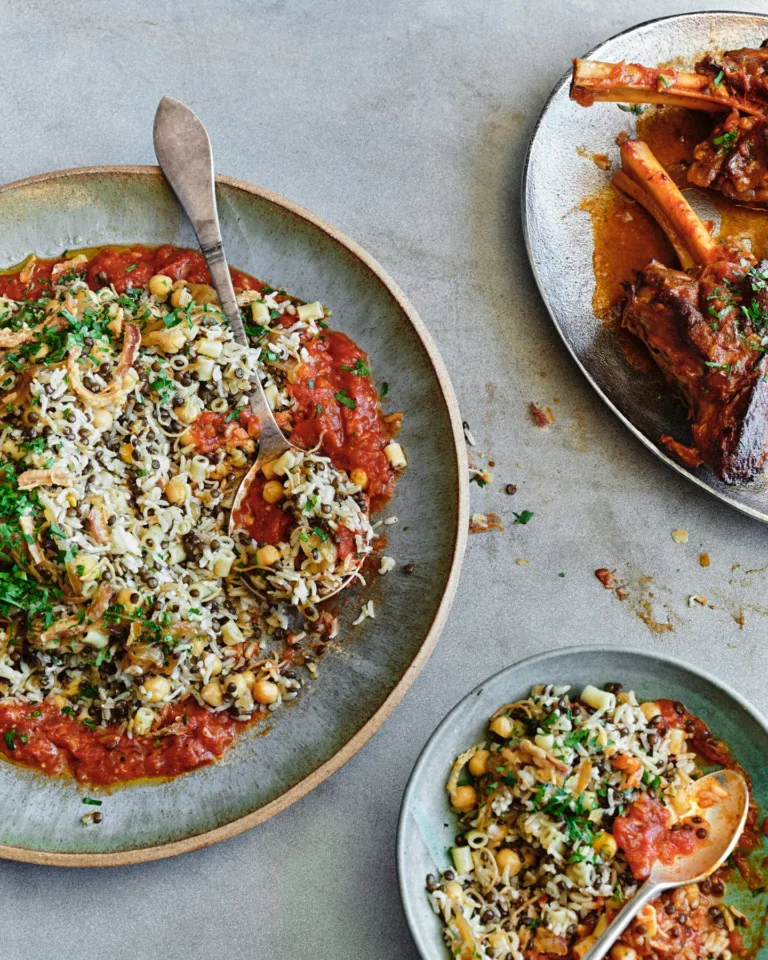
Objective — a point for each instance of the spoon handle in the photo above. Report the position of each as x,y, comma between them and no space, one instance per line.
184,153
622,920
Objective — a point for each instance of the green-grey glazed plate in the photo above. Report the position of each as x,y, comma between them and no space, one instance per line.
359,686
427,827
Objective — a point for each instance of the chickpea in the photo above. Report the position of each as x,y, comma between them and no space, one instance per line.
212,664
359,477
477,765
212,694
102,419
273,491
506,858
235,685
59,701
128,599
267,556
265,691
454,892
126,453
160,286
605,846
501,726
180,297
176,490
621,952
157,689
250,679
464,798
649,709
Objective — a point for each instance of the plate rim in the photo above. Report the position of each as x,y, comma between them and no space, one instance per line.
526,201
385,710
401,853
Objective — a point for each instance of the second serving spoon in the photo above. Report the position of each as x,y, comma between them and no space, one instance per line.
183,150
726,817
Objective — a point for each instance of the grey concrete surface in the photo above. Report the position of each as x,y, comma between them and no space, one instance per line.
405,124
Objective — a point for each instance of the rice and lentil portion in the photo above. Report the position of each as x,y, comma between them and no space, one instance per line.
129,644
561,814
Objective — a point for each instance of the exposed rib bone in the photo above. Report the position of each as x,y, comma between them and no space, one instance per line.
639,194
641,166
633,83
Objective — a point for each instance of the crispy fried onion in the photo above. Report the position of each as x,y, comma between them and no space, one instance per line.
97,524
583,776
55,477
39,559
72,627
59,269
528,752
110,395
458,766
463,947
10,339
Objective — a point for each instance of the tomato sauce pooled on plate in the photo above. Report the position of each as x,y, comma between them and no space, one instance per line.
40,735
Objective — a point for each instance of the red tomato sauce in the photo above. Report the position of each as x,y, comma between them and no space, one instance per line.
717,752
354,435
643,834
125,268
265,522
213,430
57,743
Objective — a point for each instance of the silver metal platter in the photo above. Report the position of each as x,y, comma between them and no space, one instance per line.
558,233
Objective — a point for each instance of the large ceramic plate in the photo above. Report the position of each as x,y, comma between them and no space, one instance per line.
360,686
427,828
559,233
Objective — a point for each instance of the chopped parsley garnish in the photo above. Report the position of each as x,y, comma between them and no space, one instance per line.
235,414
131,268
91,802
384,389
345,400
524,516
718,79
360,369
323,536
10,738
717,366
726,141
635,108
476,478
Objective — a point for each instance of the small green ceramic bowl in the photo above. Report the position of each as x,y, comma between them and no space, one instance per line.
427,827
357,688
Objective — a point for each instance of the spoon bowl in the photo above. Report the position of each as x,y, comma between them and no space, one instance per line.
235,528
725,817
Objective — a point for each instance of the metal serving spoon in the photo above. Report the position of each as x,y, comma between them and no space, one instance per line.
183,150
725,821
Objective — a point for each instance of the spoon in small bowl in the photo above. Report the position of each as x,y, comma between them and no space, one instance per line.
184,152
725,821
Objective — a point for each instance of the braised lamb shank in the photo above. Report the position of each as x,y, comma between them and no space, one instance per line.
706,327
734,159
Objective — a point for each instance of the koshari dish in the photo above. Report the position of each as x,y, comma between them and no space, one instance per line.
563,811
129,645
